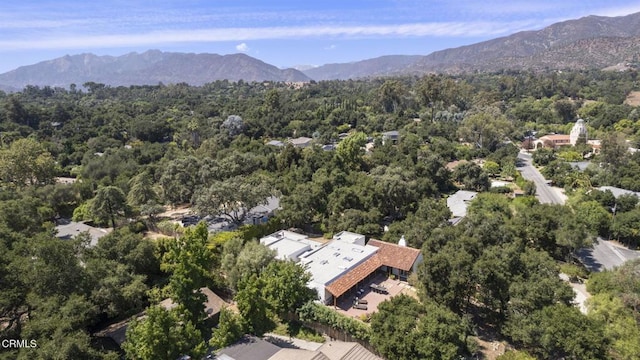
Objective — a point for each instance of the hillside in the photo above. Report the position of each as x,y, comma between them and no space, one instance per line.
592,42
148,68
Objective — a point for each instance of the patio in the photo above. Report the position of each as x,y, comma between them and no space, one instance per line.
366,293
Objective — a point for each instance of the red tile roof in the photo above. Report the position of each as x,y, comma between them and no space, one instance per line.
395,256
353,277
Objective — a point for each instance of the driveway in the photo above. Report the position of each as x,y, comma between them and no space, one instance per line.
606,255
545,193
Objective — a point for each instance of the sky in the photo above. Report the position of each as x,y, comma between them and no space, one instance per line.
283,33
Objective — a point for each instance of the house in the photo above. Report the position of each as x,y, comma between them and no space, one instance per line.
350,237
333,260
213,305
248,348
552,141
301,142
397,259
253,348
344,262
392,259
458,204
276,143
289,245
617,192
263,212
391,136
67,229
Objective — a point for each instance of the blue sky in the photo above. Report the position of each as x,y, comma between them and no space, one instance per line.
282,33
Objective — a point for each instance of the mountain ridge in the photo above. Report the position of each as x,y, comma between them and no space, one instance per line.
591,42
148,68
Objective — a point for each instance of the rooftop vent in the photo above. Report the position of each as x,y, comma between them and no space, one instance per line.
347,258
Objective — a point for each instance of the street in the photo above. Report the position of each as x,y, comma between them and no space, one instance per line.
545,193
605,255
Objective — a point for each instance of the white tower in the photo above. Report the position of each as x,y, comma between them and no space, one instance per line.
578,131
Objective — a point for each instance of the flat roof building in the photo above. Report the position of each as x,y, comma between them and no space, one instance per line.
333,260
289,245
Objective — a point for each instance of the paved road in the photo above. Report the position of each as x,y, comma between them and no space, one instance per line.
606,255
545,193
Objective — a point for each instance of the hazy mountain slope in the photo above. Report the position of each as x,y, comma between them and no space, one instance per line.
380,66
589,42
150,67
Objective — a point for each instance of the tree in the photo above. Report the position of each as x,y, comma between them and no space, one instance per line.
27,162
233,125
626,227
285,287
491,168
391,95
191,263
407,330
253,307
614,149
446,276
561,331
179,179
620,326
350,150
233,197
595,217
471,176
141,191
229,330
486,129
239,262
162,334
116,291
108,203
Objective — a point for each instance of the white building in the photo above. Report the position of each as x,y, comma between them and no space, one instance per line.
289,245
578,131
333,260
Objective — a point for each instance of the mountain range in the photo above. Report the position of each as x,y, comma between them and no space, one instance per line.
592,42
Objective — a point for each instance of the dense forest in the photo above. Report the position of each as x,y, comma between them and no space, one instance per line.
134,152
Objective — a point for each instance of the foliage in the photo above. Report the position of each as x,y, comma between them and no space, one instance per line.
285,287
230,329
296,330
406,329
233,197
191,263
162,334
27,162
561,331
471,176
312,312
253,306
108,203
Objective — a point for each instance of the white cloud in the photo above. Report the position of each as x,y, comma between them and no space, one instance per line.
438,29
330,47
243,47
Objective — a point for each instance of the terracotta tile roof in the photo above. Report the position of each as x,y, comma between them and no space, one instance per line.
395,256
555,137
353,277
